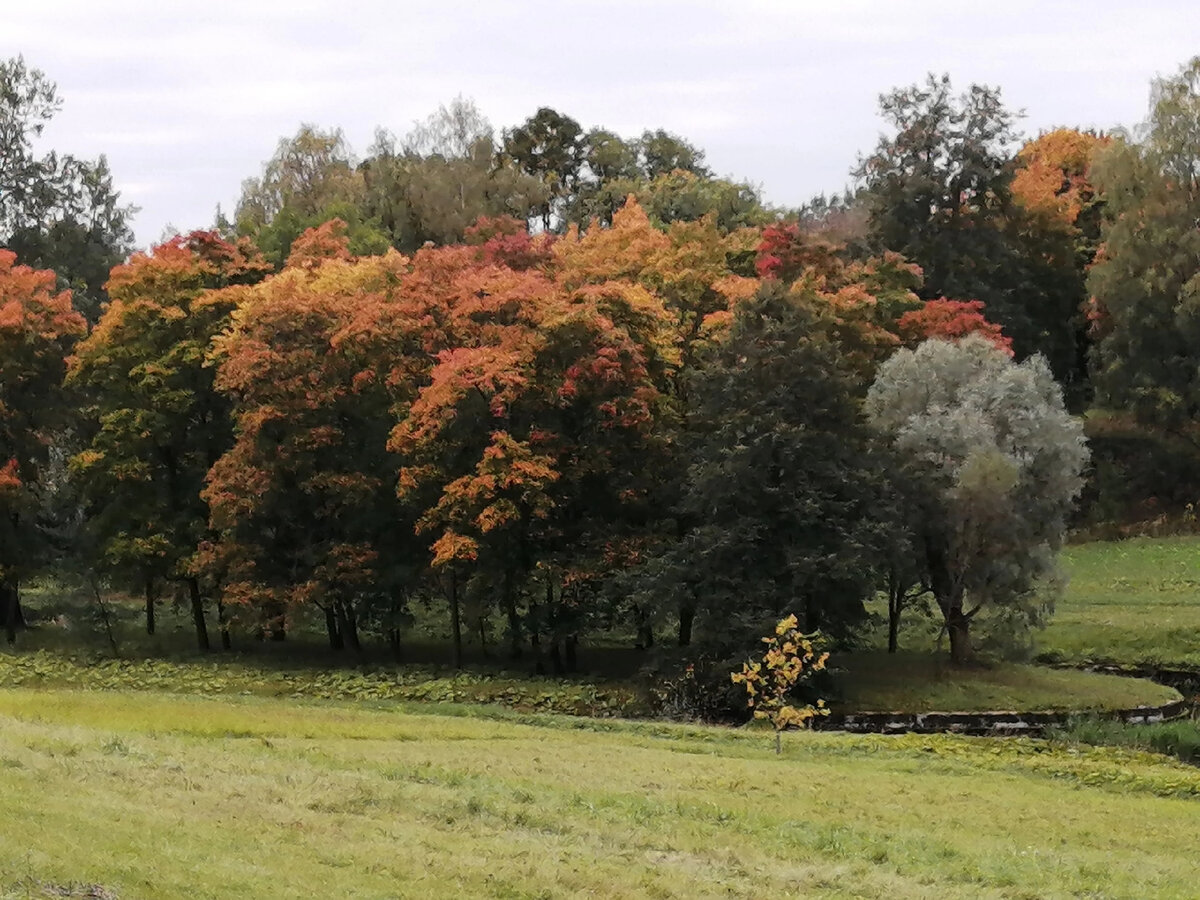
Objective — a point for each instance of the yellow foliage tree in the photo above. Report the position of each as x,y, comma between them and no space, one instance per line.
791,656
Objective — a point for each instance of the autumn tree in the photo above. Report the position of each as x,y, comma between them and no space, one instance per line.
301,502
158,423
997,462
526,428
38,327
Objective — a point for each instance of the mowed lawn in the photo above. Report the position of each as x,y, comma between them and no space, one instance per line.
152,795
1134,601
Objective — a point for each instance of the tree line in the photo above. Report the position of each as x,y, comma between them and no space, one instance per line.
565,383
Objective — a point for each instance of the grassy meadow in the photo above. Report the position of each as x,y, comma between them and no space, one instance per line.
1129,602
263,774
152,796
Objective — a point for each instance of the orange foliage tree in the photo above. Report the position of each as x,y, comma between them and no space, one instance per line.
302,502
158,422
38,327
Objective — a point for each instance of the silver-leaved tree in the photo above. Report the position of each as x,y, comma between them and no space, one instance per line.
995,463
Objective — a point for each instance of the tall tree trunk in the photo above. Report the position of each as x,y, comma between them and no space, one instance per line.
198,614
149,606
514,621
895,607
223,625
8,601
481,622
331,629
456,621
348,625
645,630
572,642
687,615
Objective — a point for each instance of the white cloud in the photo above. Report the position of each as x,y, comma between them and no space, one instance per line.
187,100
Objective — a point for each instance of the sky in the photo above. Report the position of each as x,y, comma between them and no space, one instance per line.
187,100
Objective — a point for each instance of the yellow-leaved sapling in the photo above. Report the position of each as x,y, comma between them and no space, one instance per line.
791,656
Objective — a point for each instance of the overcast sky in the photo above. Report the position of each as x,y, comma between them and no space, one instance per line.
189,99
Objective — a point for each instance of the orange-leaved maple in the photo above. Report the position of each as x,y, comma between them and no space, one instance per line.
159,423
38,326
950,320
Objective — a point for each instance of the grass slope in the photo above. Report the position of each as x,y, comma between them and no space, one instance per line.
164,796
1135,601
921,682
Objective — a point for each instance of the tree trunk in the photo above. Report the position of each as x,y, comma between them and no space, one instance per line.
223,625
958,627
572,661
896,594
514,621
149,606
456,622
645,630
483,647
348,626
8,601
198,614
687,615
556,660
393,639
332,630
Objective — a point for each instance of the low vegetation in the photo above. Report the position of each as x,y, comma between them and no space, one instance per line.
1180,738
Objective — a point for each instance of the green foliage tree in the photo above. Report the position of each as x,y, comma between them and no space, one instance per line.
996,463
662,153
781,492
1146,280
432,185
312,178
939,191
57,212
549,146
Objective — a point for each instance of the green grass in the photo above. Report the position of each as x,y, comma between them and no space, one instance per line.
1129,602
920,682
165,796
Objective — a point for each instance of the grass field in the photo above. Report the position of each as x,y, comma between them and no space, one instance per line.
1135,601
157,796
